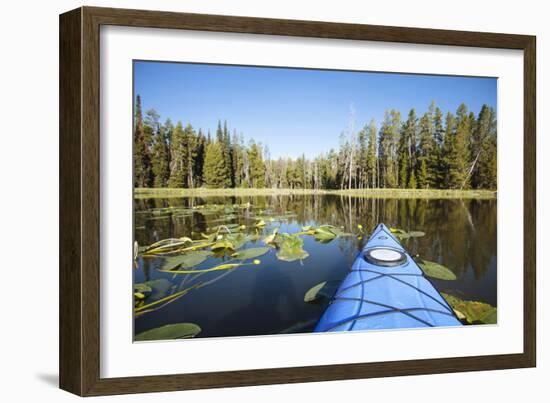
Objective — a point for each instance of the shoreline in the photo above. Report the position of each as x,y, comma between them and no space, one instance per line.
146,193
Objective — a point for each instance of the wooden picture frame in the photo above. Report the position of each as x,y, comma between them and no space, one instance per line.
80,199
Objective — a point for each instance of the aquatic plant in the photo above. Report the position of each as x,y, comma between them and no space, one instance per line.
172,331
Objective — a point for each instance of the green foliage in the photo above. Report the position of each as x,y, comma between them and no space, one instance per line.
155,289
423,152
257,167
387,149
250,253
458,156
436,270
178,158
186,260
372,169
141,157
291,248
160,160
168,332
473,312
322,292
215,171
412,180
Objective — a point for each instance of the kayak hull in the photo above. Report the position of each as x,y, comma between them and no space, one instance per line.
375,295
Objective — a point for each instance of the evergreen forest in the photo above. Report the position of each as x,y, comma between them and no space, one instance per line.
431,150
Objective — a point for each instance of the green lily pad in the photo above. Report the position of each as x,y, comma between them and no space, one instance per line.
416,234
186,260
170,332
223,244
159,288
475,312
291,248
250,253
237,240
324,233
436,270
321,292
142,288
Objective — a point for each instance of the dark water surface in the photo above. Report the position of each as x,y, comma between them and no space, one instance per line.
269,298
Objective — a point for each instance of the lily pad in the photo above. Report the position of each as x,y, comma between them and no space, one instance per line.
324,233
416,234
250,253
291,248
170,332
475,312
223,244
237,240
186,260
159,288
321,292
142,288
436,270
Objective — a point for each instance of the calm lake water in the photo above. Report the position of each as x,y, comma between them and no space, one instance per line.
269,298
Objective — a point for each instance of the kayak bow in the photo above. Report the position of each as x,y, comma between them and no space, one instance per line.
385,290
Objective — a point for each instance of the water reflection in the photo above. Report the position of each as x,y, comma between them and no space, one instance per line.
460,234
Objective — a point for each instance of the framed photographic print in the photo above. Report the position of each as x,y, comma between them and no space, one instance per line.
249,201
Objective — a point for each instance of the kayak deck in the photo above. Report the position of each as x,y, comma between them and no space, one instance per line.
376,295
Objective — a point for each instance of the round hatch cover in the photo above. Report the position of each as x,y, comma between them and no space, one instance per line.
385,257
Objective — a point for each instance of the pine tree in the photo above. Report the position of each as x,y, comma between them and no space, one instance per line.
371,155
484,173
222,137
387,150
427,160
257,167
198,163
362,166
236,160
447,149
228,155
160,160
459,153
142,158
189,155
214,166
439,140
178,158
412,180
407,151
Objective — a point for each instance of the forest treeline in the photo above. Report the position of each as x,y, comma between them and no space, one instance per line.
432,151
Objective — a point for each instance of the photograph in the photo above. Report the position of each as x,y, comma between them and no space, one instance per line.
274,200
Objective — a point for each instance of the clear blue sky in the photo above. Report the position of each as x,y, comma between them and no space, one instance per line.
295,111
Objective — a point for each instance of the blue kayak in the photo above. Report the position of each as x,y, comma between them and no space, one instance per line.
385,290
